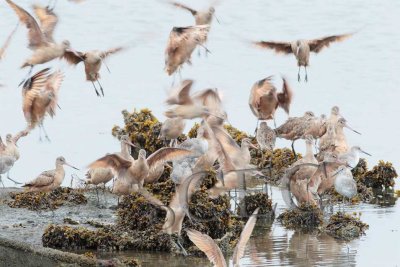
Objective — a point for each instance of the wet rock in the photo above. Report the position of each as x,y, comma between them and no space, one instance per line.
381,176
43,201
305,217
70,221
252,201
345,226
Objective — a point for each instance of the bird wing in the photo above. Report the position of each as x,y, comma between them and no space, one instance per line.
211,99
206,244
19,135
244,237
226,142
317,45
186,37
166,154
285,97
181,96
44,179
53,85
114,161
31,90
73,57
194,12
279,47
35,34
111,51
7,43
48,21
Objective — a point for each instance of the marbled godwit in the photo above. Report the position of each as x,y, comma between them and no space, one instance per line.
134,172
171,129
309,155
302,48
344,182
206,244
317,127
352,157
93,61
341,145
294,128
9,153
266,137
40,96
181,43
264,99
201,17
41,39
327,142
49,180
335,115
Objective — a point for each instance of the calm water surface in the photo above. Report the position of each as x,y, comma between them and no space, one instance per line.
360,75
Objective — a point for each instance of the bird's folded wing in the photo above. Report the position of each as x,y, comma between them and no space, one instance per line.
44,179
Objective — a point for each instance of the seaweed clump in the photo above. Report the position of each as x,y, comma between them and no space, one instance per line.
250,202
43,201
381,176
345,226
305,217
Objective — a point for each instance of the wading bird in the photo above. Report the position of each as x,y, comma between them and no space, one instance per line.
206,244
302,48
344,182
49,180
92,61
40,97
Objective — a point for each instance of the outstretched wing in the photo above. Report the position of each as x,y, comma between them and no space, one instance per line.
53,84
285,97
194,12
48,21
244,237
35,35
7,43
181,95
317,45
166,154
111,51
114,161
278,47
206,244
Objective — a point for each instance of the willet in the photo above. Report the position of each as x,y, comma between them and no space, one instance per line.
302,48
92,61
49,180
352,157
40,96
344,182
206,244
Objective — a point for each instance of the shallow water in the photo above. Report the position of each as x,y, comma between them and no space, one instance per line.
360,75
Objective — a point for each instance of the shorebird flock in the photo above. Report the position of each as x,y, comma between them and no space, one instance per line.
327,162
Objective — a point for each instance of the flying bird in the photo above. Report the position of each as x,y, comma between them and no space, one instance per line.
92,61
302,48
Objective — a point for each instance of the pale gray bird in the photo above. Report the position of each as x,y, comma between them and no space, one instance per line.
302,48
344,182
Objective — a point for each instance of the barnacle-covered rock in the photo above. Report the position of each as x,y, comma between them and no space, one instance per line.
51,200
305,217
345,226
193,131
252,201
143,129
381,176
360,170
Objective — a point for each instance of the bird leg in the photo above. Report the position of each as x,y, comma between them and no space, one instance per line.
306,78
97,194
255,131
95,89
1,180
101,87
26,77
45,133
207,51
104,62
9,178
294,152
298,75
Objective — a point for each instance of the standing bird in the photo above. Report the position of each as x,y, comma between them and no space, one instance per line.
264,99
206,244
93,61
134,172
302,48
352,157
181,43
341,145
49,180
266,137
344,182
40,96
41,39
335,115
317,127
